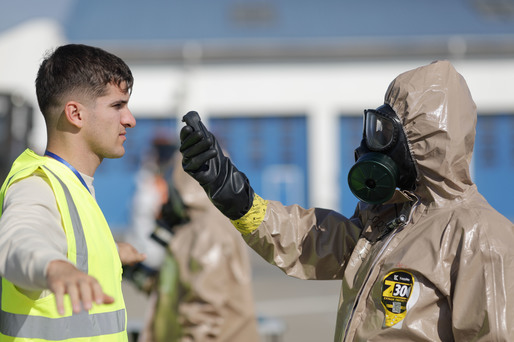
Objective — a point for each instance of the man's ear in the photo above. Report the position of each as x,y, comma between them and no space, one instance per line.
73,112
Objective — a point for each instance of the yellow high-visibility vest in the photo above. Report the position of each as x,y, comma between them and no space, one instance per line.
91,248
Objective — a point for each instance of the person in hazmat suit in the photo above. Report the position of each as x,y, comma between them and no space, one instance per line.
424,256
154,195
202,290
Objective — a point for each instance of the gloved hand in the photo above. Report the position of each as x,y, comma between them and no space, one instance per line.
203,159
141,275
173,213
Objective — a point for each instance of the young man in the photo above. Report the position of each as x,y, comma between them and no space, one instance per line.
60,267
424,257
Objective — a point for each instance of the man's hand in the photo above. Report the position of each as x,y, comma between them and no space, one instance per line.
64,278
129,254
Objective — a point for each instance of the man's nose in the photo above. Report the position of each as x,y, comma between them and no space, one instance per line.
128,119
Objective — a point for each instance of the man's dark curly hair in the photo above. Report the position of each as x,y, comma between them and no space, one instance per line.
79,69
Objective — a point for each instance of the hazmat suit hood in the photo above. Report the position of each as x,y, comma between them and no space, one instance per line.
438,115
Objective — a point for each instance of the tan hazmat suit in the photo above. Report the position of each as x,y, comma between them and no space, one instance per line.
205,291
445,275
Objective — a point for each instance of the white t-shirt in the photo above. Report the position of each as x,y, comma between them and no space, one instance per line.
31,232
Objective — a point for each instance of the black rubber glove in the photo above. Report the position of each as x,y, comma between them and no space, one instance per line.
173,213
227,187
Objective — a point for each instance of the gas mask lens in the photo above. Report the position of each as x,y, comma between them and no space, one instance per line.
378,130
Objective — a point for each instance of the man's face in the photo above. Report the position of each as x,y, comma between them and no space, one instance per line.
107,122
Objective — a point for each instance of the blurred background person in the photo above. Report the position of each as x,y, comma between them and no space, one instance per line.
152,181
197,272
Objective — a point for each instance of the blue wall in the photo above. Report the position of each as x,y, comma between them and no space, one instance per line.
350,135
271,151
494,161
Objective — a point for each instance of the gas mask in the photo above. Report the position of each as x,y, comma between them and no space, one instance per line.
383,160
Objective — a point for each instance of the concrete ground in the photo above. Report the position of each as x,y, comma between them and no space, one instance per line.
290,310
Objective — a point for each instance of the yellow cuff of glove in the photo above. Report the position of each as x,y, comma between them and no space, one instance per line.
253,218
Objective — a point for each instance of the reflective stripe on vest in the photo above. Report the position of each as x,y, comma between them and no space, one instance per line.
54,329
78,325
80,239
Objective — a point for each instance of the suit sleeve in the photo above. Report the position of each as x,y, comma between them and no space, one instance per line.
482,297
305,243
